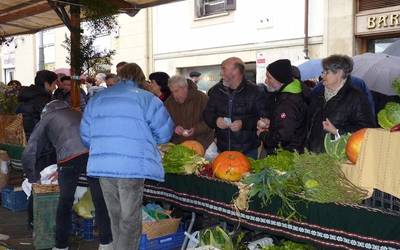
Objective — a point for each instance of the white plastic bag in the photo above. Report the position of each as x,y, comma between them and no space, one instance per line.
193,239
211,152
45,179
46,173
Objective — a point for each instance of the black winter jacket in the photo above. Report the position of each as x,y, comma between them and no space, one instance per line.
244,103
32,100
348,111
287,120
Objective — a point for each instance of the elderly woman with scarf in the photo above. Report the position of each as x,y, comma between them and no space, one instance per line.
340,108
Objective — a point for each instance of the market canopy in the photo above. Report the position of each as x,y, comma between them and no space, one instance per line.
30,16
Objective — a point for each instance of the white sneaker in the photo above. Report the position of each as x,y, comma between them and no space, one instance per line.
108,246
55,248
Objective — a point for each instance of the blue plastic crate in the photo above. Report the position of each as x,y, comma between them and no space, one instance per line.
168,242
14,200
87,229
82,228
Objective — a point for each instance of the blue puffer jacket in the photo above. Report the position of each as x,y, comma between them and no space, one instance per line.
122,126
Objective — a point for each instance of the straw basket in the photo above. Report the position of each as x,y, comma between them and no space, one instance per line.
12,130
43,189
155,229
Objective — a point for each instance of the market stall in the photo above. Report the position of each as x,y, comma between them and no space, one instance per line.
326,225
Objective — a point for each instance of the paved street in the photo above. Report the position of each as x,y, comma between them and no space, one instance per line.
14,225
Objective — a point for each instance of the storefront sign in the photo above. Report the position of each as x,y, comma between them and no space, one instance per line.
383,21
379,22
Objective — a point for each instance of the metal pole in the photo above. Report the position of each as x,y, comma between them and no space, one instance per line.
306,29
189,231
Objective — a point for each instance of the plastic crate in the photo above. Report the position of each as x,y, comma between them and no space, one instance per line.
14,199
83,228
87,229
168,242
44,219
384,201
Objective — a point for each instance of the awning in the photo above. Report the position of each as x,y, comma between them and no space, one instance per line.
30,16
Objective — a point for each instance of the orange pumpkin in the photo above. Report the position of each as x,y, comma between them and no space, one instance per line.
353,145
194,145
230,165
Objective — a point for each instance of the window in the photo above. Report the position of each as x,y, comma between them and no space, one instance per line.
8,75
379,45
212,7
376,4
47,49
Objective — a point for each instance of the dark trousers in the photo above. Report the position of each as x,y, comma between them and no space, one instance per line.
68,175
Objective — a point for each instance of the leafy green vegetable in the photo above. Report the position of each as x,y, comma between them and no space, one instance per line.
393,112
216,237
396,86
383,120
269,183
389,116
336,148
281,161
324,181
8,99
312,177
182,160
289,245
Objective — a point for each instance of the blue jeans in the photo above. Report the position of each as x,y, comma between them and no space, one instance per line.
68,176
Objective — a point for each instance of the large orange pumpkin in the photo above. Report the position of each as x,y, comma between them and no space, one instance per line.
194,145
230,165
353,145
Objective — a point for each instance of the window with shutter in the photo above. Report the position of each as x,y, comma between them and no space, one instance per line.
230,4
212,7
376,4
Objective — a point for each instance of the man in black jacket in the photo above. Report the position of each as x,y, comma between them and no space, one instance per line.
233,109
286,124
32,99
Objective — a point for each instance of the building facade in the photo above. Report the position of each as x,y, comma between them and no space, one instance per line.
377,24
204,33
197,35
44,50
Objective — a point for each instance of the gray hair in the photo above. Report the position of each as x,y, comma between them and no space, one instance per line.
101,76
177,80
338,62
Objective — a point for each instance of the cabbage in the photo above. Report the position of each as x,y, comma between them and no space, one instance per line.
182,160
216,237
389,116
336,148
393,112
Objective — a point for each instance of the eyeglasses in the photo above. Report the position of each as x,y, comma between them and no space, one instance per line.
325,72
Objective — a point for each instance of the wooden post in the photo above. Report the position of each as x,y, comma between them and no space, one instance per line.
75,55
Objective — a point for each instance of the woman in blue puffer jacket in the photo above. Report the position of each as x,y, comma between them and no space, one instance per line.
122,126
